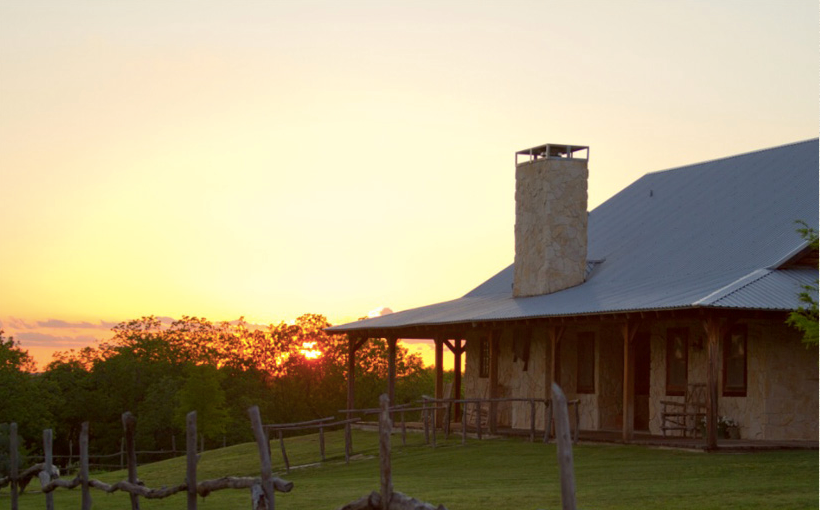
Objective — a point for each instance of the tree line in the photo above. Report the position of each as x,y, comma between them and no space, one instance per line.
293,372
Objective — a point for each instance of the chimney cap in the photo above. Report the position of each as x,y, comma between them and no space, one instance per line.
553,150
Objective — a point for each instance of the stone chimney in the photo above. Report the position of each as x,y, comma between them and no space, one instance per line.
550,219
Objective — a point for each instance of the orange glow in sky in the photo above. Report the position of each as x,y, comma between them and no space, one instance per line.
309,350
328,157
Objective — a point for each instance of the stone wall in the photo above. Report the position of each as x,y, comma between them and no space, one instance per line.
782,378
550,225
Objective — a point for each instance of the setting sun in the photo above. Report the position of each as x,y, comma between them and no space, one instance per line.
309,350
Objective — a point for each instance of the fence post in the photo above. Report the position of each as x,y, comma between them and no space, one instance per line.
264,457
322,442
548,412
190,450
403,430
348,442
563,438
13,460
478,418
384,451
425,421
532,420
86,502
284,453
70,454
129,423
122,450
49,461
174,446
464,423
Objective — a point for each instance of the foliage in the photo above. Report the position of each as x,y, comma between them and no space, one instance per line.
805,318
160,371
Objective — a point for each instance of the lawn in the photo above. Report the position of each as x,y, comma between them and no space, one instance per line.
491,474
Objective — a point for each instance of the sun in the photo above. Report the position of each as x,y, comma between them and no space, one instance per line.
309,350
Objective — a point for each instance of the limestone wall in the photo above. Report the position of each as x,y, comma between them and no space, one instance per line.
782,379
781,399
550,225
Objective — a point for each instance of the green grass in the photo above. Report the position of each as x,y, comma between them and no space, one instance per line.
491,474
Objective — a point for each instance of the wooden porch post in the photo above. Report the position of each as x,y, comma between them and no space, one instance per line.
353,345
715,330
556,333
457,377
391,369
439,376
494,351
628,330
351,374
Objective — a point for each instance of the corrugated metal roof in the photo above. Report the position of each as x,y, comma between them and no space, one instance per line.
707,234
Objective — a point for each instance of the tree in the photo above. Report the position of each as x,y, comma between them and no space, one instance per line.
805,318
203,393
20,398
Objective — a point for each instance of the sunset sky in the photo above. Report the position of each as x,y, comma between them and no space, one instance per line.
269,159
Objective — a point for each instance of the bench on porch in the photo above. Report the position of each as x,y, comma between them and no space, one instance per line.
685,417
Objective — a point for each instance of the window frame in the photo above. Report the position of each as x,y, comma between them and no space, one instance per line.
740,331
586,344
676,388
484,357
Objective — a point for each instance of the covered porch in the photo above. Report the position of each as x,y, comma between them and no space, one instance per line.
615,365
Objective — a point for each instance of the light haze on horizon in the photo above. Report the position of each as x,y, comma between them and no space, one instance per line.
269,159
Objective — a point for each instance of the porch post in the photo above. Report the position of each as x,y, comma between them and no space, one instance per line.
351,374
494,348
391,369
628,330
439,376
457,377
556,333
715,329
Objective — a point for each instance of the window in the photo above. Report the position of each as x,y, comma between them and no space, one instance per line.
734,363
677,360
586,363
484,358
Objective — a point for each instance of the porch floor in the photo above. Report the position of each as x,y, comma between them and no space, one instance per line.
640,438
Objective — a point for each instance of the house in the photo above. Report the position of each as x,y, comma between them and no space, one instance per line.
684,278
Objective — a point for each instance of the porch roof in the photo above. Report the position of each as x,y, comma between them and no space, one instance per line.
712,235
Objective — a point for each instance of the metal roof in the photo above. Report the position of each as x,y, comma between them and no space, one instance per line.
705,235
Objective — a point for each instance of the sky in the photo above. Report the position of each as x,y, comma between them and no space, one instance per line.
268,159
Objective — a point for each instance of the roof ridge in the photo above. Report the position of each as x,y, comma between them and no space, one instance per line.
749,153
731,288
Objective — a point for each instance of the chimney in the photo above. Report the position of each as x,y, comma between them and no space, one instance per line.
550,219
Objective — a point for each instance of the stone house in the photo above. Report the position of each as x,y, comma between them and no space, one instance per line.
685,277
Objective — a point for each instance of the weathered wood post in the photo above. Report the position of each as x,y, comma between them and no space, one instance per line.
284,453
322,442
384,451
425,421
122,453
547,420
464,423
563,439
13,460
403,430
348,441
264,457
86,493
48,441
129,423
478,418
532,420
191,456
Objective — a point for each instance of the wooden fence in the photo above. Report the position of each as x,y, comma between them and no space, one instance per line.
262,488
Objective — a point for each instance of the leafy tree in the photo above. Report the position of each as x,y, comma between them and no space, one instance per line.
805,318
20,401
203,393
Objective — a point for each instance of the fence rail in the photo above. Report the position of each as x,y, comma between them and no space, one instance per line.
262,487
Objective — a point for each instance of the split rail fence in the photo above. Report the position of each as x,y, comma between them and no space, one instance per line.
262,488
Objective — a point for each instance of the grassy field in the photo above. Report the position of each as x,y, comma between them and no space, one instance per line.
491,474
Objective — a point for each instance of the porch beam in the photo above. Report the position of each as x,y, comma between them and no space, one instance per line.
628,331
353,345
439,376
457,377
494,352
716,328
391,369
